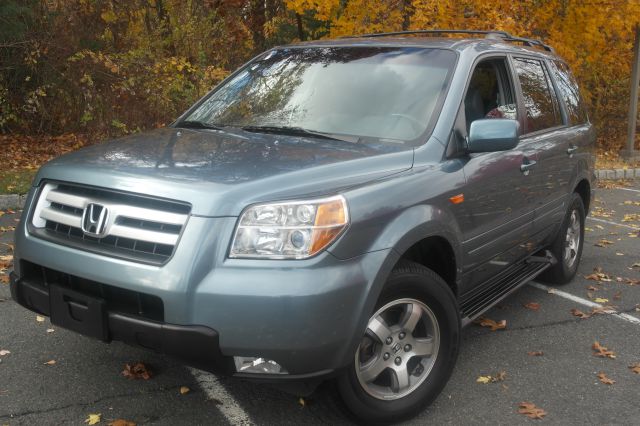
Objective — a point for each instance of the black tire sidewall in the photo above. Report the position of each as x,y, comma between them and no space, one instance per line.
416,282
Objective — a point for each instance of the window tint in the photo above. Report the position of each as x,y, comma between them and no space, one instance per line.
538,95
569,92
489,94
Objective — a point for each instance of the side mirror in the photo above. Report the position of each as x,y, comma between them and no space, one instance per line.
489,135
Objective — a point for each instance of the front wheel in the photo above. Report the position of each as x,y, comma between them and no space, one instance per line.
567,246
408,350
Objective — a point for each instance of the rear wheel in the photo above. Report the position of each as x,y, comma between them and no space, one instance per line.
408,350
567,246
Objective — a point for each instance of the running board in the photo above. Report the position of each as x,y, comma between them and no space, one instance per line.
488,294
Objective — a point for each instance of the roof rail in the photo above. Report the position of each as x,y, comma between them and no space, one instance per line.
493,34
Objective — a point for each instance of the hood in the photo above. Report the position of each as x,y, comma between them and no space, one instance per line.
220,172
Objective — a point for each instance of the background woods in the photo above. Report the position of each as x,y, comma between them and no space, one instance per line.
108,67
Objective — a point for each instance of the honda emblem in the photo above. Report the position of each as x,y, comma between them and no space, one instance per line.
94,220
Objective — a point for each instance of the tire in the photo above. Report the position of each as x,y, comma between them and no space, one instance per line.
566,268
410,285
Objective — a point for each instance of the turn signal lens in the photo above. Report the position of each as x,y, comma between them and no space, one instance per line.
290,230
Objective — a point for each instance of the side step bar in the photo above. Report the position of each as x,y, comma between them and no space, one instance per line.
488,294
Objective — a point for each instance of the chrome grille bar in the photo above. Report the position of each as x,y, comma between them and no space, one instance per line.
137,227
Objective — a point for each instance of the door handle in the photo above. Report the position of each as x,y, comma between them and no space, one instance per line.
571,150
524,167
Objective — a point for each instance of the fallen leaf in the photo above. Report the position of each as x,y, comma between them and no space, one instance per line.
39,318
137,371
604,379
52,362
93,419
492,379
598,275
535,353
301,401
592,288
483,379
530,410
121,422
636,265
184,390
50,330
578,313
600,300
603,243
4,352
619,254
635,367
601,351
486,322
532,306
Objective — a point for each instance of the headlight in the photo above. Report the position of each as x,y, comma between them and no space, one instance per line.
289,230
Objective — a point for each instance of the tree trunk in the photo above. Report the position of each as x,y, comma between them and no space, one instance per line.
257,19
300,29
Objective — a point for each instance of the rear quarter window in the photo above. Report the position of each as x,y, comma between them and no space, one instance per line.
569,92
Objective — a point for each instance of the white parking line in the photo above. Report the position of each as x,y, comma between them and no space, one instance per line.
229,407
613,223
585,302
629,189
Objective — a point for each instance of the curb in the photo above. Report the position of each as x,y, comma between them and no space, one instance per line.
12,201
616,174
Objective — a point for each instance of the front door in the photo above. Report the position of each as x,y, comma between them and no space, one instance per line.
499,203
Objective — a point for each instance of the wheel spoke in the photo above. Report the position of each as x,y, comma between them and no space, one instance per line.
379,329
423,347
399,379
373,370
411,317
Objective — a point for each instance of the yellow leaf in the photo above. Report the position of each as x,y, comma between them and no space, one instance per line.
483,379
52,362
600,300
39,318
184,389
93,419
109,16
301,401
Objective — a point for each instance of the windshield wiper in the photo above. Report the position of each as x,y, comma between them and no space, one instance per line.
299,131
193,124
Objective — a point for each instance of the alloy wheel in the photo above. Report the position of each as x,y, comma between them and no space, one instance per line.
398,350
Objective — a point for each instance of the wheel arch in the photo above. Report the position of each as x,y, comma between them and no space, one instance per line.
583,189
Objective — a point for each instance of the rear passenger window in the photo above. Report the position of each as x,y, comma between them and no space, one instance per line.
539,97
569,92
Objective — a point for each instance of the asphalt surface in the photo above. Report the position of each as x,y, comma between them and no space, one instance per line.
86,377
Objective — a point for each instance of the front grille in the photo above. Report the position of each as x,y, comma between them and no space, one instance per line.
117,299
135,227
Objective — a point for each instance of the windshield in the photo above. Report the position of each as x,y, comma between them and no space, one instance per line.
387,93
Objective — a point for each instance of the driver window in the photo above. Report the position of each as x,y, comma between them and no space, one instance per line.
490,93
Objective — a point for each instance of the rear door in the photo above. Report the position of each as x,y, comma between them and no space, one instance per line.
545,132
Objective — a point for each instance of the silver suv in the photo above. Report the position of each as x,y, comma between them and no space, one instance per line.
333,209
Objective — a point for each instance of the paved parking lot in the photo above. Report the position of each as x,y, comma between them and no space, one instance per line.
86,379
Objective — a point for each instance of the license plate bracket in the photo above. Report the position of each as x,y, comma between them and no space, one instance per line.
78,312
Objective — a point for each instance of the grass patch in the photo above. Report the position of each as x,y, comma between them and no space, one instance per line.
17,181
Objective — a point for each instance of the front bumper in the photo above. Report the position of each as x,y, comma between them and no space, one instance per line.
196,345
306,315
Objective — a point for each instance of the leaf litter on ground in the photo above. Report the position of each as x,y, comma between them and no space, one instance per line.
493,325
136,371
